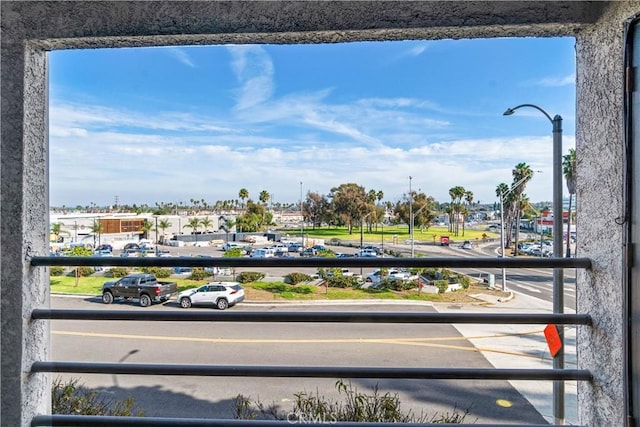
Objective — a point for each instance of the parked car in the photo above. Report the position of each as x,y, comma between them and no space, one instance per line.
295,247
263,253
280,247
129,253
104,248
375,249
131,246
309,252
367,253
392,274
221,295
343,255
144,287
229,245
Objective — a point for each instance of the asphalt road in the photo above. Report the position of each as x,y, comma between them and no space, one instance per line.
312,344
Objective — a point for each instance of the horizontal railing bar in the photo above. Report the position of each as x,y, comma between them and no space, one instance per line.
93,420
313,317
312,371
39,261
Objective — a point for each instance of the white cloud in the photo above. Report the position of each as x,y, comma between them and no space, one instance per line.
254,71
378,143
181,55
556,81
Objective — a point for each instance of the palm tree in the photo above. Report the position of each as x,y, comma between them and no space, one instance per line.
468,198
206,223
96,228
147,225
163,224
243,194
501,192
193,223
56,227
522,174
569,171
264,197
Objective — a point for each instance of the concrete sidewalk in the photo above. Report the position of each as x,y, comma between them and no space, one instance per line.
521,347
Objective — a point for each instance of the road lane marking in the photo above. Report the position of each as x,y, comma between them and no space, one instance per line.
418,342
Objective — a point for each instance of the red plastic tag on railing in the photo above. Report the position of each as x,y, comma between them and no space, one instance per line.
553,339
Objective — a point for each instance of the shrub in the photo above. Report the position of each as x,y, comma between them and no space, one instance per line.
117,272
56,270
354,406
442,285
295,278
337,281
159,272
199,273
83,271
403,285
233,253
250,276
70,399
464,281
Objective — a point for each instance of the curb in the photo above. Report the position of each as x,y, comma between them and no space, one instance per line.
507,299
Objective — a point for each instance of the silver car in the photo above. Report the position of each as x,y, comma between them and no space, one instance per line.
218,294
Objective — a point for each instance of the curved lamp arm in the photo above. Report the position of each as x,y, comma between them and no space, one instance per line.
510,111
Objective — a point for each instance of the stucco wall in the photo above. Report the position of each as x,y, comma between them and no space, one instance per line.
601,162
30,28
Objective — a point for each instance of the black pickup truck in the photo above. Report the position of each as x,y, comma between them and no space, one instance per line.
144,287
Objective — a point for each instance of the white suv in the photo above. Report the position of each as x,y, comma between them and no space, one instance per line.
218,294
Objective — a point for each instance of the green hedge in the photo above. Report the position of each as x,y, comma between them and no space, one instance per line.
56,270
250,276
295,278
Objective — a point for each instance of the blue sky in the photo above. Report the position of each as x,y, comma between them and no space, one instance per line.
170,124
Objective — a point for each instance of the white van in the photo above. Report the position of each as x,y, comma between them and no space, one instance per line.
263,253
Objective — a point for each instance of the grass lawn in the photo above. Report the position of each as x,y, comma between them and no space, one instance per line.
401,231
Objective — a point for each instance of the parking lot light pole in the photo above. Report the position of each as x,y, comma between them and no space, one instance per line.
558,285
411,216
156,245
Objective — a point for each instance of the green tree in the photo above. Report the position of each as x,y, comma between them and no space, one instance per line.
456,193
255,218
206,223
96,230
147,226
317,209
163,224
194,224
243,194
522,174
468,198
264,197
349,203
56,228
569,171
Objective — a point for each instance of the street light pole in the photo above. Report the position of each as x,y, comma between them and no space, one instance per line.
411,216
504,270
558,285
156,245
301,217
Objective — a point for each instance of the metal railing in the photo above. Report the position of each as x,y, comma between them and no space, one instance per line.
44,314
